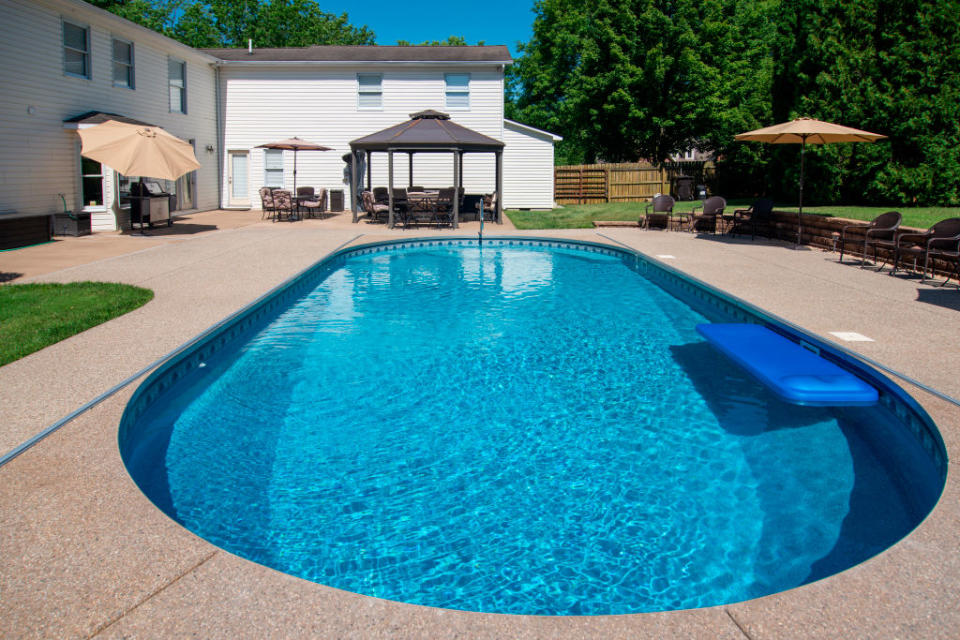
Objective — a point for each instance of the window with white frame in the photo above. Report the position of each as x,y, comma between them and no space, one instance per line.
458,90
369,91
177,74
273,168
122,63
91,177
76,50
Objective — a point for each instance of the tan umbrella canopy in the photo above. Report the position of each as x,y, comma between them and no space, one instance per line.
294,144
804,131
137,150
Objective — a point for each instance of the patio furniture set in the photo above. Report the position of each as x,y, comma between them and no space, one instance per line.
941,242
418,205
707,217
278,203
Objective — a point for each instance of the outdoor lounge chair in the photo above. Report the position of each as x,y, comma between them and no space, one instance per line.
372,208
759,214
941,241
883,228
266,203
660,216
711,209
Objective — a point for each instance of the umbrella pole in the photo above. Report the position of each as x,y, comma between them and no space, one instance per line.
803,146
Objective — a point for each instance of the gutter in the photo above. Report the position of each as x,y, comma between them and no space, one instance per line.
360,63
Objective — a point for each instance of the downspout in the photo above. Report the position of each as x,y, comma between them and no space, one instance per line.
219,128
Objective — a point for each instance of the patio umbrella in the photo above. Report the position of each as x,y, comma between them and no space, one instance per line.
294,144
137,150
806,131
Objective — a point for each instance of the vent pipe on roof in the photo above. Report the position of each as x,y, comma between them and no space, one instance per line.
250,46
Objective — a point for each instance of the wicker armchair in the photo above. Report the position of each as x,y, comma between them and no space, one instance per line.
660,216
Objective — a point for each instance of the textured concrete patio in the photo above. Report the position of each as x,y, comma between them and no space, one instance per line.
86,554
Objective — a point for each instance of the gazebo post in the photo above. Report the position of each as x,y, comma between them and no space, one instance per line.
457,177
390,187
353,183
499,187
370,170
410,167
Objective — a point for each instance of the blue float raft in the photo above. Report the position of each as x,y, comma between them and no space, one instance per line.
795,374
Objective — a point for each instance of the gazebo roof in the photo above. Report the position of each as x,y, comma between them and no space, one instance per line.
426,131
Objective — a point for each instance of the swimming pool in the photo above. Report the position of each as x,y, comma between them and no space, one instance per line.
531,427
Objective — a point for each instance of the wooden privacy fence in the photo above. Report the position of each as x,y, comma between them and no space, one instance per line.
619,182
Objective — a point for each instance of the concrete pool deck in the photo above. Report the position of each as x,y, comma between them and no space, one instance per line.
85,554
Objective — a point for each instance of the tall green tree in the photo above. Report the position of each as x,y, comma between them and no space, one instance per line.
449,41
629,79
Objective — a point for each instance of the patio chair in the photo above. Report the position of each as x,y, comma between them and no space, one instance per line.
374,209
401,207
759,214
882,229
489,203
307,199
941,241
660,216
417,189
283,203
381,195
711,209
266,203
443,211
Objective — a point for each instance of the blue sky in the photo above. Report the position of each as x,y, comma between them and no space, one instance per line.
493,21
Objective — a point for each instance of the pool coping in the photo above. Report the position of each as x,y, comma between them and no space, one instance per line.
850,603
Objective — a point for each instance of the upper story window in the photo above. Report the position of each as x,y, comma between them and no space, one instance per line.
122,63
273,168
76,50
369,91
458,90
177,75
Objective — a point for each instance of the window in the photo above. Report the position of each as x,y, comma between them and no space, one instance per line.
91,173
122,64
177,74
370,91
458,90
273,168
76,50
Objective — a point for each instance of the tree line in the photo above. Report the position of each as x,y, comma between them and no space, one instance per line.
623,80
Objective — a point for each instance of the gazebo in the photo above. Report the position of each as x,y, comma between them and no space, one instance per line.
426,132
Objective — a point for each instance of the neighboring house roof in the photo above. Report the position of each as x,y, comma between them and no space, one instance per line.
91,118
498,54
528,129
427,130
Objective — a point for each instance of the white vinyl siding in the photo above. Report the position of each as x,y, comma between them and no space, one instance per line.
76,50
177,75
527,168
457,90
122,63
369,91
273,168
320,105
46,160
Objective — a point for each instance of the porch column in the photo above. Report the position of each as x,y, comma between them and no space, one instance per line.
390,187
499,187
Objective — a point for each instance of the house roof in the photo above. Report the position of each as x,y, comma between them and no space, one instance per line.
90,118
528,129
426,131
497,54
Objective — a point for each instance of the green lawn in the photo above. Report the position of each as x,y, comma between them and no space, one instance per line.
33,316
582,216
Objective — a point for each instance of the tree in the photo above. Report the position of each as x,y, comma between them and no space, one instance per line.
225,23
450,41
629,79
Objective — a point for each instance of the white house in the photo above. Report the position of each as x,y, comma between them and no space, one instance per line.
67,63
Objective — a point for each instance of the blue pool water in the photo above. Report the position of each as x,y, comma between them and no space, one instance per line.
518,430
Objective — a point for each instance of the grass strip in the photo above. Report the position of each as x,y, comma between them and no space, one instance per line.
34,316
582,216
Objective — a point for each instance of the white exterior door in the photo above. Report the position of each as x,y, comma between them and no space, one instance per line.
239,178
